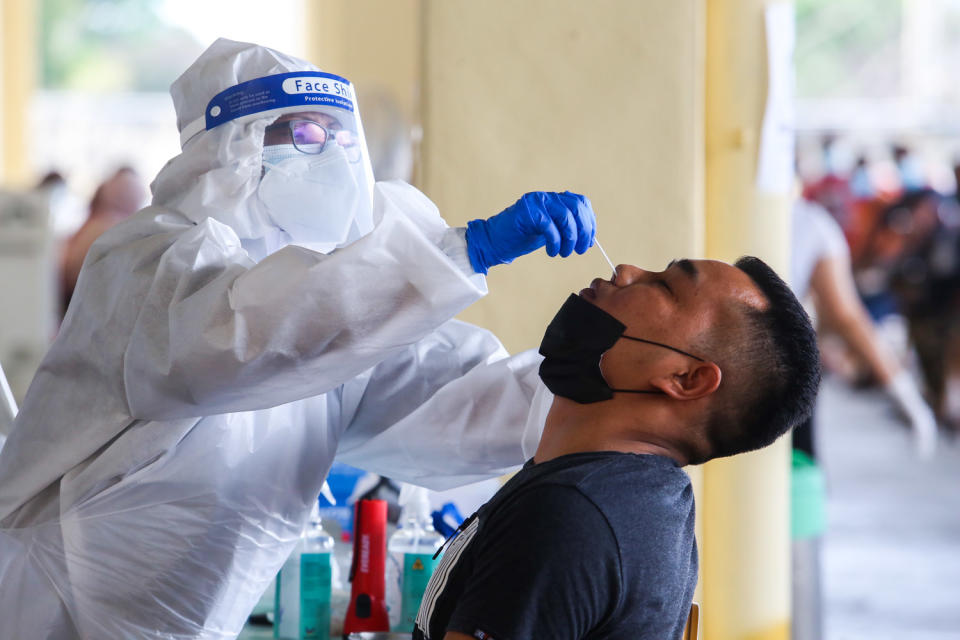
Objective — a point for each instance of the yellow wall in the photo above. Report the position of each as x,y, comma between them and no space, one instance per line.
562,95
745,552
18,61
565,95
3,91
371,43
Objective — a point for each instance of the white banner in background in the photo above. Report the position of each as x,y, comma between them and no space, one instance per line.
775,163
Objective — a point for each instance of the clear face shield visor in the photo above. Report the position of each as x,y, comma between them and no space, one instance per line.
317,181
313,110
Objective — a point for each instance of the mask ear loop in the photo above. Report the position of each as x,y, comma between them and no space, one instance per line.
657,344
656,392
665,346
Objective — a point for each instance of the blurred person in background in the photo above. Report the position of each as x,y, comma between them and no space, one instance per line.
67,212
820,268
956,179
918,248
861,185
52,186
866,209
832,189
909,168
116,199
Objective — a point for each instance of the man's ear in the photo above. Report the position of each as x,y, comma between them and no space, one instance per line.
698,380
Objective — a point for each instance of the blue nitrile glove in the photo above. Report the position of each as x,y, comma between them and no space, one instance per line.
447,519
564,222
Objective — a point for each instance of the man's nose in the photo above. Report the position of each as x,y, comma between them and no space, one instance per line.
627,274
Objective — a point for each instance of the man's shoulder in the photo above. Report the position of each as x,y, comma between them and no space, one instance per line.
641,497
647,504
614,480
622,489
617,528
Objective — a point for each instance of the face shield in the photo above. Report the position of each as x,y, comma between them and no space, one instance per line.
315,179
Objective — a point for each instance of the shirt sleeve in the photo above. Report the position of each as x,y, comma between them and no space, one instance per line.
829,235
548,567
815,235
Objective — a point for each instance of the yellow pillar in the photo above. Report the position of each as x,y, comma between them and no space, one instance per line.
745,548
603,98
3,93
370,42
543,94
376,44
324,24
18,55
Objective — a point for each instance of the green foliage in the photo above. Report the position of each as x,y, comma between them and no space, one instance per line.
848,48
111,45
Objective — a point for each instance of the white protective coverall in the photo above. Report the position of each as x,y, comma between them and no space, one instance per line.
178,432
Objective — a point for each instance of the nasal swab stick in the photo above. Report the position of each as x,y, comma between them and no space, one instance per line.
596,241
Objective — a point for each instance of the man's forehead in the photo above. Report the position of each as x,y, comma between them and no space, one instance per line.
733,282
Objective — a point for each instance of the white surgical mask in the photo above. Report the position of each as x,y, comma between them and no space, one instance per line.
277,153
314,198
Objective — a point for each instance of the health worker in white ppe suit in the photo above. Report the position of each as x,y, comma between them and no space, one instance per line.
267,312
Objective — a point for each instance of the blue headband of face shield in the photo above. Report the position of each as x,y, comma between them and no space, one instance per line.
307,89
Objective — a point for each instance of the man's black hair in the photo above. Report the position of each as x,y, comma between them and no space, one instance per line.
772,372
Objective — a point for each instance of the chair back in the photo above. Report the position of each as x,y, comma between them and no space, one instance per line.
692,630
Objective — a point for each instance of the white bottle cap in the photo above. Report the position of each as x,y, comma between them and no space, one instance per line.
415,503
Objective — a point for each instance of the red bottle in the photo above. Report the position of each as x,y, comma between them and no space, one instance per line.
368,606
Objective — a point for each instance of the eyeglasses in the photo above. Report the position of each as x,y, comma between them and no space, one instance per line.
311,137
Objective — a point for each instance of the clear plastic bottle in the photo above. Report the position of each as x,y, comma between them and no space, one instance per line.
302,602
410,560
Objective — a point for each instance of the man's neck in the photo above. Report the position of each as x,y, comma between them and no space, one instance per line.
576,428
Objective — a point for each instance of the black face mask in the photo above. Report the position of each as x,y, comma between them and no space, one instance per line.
572,346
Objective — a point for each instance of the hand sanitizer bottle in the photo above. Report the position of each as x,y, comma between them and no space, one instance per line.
410,560
302,605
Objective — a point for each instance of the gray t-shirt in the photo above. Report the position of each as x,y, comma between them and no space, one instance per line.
585,546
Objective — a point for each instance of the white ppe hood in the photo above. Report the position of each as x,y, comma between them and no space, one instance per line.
210,367
218,174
